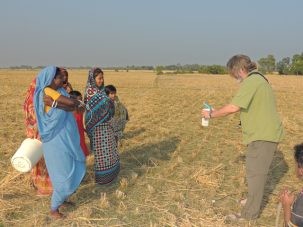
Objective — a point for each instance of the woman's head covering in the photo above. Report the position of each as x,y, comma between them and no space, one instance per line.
50,123
99,108
91,87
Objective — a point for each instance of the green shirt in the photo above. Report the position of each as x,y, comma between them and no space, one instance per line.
258,113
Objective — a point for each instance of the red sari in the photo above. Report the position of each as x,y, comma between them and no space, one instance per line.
39,174
79,119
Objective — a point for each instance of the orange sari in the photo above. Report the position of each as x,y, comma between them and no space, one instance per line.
39,174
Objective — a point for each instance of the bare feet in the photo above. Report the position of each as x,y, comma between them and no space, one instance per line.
55,214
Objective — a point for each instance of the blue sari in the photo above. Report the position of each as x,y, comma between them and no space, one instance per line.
63,155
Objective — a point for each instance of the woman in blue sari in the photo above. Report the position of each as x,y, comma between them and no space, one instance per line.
57,127
98,122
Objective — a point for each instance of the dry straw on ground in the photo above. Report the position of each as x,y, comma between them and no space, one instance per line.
174,172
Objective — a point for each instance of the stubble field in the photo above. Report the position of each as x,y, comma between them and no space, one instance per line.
174,172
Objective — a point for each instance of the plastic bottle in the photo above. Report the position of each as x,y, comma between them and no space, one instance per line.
205,121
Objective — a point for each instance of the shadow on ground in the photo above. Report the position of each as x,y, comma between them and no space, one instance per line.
137,160
134,133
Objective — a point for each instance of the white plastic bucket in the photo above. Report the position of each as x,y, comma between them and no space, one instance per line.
27,155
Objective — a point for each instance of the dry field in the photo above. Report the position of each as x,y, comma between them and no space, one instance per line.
174,172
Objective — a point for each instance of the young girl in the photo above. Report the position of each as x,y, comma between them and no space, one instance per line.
78,114
121,113
98,123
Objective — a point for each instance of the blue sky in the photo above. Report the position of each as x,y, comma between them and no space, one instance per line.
146,32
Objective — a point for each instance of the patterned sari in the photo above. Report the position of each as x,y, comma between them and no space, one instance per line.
98,121
39,174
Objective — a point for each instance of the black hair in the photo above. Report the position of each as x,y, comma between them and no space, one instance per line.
110,89
75,93
97,71
299,154
61,71
64,71
58,71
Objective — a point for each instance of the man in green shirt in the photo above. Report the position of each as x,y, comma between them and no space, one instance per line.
261,127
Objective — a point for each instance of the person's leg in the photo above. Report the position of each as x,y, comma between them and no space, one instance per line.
258,159
56,202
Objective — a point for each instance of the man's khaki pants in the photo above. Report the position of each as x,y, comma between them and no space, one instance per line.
258,159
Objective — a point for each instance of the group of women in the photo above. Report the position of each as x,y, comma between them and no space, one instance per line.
48,117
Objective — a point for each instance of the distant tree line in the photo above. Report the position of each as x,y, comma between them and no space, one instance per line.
132,67
26,67
182,69
286,66
42,66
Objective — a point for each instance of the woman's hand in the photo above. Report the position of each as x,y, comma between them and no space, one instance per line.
80,109
48,101
286,198
80,106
